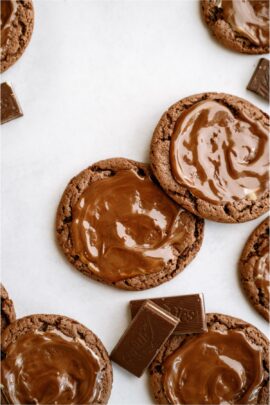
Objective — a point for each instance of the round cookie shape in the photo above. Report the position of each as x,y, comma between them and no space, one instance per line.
48,359
17,21
210,154
254,269
227,364
7,309
116,225
242,26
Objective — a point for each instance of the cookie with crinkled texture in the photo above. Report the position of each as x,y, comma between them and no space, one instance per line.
256,251
7,308
20,27
73,332
230,212
215,322
224,32
102,170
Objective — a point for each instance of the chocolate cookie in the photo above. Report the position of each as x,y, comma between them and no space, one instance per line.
239,25
228,364
116,225
49,359
17,20
254,269
7,308
210,154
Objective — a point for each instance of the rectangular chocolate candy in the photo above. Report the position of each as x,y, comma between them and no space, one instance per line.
259,82
189,309
142,340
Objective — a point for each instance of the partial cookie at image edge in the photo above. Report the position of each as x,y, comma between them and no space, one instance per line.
70,328
247,263
218,322
19,35
7,308
224,33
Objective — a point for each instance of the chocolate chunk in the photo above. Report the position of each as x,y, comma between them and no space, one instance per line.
189,309
141,342
10,108
259,82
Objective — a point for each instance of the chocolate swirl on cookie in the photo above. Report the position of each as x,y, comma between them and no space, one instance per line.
124,226
214,368
249,18
221,156
50,368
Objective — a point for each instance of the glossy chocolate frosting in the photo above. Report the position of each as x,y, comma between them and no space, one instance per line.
249,18
261,273
222,157
50,368
8,12
214,368
125,225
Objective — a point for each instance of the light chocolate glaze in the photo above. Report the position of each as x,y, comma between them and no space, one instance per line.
214,368
249,18
219,156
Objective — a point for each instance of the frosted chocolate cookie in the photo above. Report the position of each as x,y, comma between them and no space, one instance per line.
7,309
115,224
239,25
210,153
17,20
52,359
228,364
254,269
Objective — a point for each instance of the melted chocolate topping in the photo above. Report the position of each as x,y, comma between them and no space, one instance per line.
50,368
125,225
214,368
249,18
221,158
261,273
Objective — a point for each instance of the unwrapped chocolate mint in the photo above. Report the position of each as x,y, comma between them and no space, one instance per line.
141,342
259,82
10,108
189,309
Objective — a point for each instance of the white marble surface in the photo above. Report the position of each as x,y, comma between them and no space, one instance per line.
93,83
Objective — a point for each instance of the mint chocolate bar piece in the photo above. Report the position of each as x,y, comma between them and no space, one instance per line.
142,340
189,309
